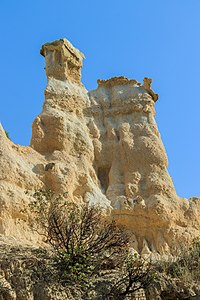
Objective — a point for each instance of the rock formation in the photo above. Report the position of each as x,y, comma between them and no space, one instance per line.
101,146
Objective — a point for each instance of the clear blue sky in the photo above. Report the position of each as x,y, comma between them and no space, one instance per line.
159,39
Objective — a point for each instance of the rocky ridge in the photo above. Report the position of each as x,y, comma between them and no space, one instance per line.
101,146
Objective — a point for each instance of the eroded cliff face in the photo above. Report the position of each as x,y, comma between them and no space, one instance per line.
102,146
131,164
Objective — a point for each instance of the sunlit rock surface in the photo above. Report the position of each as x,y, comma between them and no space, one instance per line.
101,146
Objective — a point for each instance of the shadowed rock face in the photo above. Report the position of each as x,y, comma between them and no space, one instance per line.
102,146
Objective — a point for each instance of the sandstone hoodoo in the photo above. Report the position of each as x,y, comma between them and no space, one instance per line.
101,146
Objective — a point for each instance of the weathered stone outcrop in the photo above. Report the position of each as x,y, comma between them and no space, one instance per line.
60,132
18,173
102,146
131,163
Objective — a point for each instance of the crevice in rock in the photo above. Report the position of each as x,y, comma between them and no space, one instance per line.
103,176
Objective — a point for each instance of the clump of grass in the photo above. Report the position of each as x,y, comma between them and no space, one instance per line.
7,134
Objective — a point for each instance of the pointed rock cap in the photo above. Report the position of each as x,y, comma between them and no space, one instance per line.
63,61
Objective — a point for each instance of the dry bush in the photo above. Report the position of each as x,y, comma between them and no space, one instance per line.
185,265
87,241
135,274
179,275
